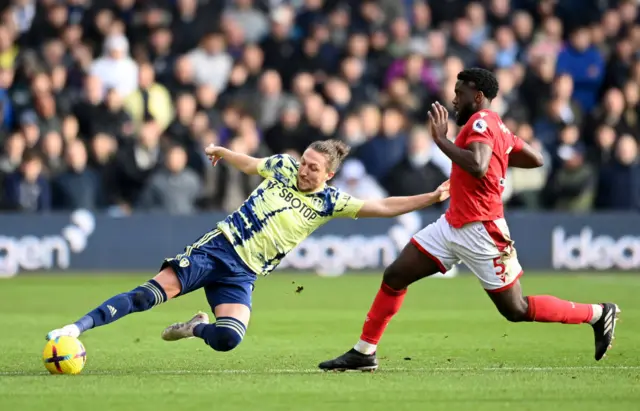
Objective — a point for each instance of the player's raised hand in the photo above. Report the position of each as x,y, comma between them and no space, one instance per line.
443,191
438,121
213,152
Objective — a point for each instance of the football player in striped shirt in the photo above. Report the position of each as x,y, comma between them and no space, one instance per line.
292,202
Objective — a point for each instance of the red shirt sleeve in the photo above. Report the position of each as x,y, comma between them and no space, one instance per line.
518,144
480,132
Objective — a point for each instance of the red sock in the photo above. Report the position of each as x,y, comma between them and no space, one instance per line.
387,303
549,309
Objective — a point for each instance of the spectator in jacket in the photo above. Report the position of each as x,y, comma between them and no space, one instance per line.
27,189
582,61
353,179
150,100
211,63
418,172
79,186
174,188
619,186
115,68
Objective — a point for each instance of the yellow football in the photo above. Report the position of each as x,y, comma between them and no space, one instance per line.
64,355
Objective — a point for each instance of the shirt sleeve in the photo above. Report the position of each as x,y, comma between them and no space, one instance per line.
347,206
281,167
480,133
518,143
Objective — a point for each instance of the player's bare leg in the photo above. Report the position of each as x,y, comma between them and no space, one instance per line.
168,281
224,335
411,266
545,308
511,303
163,287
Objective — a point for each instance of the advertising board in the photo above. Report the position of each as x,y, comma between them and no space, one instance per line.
85,242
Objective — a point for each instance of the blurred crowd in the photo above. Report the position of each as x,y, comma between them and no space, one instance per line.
108,104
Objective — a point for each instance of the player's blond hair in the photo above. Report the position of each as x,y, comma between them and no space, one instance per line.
335,151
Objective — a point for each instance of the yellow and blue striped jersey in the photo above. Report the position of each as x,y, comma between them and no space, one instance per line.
277,217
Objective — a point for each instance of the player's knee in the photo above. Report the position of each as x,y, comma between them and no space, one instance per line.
147,296
225,340
226,334
393,278
516,312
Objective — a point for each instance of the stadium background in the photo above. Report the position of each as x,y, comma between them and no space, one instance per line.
105,107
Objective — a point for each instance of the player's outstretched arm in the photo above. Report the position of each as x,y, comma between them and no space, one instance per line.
243,162
525,157
395,206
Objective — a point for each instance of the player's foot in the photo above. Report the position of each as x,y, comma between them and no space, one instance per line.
70,330
351,360
604,328
179,331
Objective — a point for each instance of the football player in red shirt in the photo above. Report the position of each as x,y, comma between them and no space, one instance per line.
473,230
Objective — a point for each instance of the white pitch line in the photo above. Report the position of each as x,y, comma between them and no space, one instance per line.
317,371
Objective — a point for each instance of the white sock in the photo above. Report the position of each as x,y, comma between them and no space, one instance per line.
597,313
72,329
365,348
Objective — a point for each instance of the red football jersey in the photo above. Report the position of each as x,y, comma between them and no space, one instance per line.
480,199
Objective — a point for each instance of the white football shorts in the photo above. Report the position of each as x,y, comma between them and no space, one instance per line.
485,247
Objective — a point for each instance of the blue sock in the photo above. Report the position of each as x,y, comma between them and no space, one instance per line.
224,335
139,299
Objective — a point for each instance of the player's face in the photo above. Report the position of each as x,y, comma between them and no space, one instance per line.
465,103
313,172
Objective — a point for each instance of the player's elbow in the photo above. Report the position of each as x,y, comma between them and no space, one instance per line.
479,171
479,166
538,160
478,174
533,160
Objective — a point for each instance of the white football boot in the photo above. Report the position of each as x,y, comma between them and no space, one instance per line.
70,330
178,331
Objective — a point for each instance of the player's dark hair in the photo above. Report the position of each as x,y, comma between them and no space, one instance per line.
483,80
335,150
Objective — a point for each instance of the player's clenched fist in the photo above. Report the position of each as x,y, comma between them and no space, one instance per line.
438,121
214,153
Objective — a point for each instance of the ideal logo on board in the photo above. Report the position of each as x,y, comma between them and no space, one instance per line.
589,251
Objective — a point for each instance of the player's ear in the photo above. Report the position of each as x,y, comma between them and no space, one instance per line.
330,175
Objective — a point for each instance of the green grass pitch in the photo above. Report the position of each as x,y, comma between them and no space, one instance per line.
448,349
